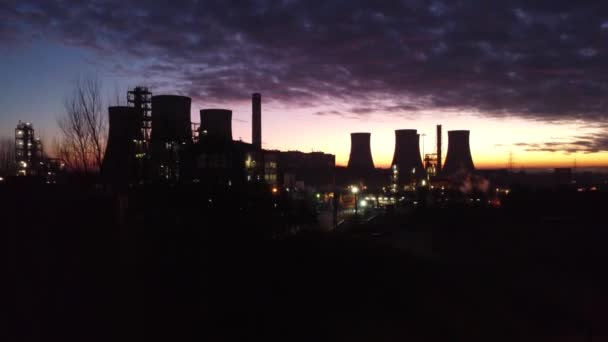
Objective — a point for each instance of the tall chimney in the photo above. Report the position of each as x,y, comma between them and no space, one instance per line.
439,149
256,122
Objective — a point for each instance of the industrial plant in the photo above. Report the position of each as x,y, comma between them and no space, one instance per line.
152,140
30,159
173,149
181,196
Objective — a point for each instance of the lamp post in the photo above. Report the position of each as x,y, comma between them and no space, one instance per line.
355,191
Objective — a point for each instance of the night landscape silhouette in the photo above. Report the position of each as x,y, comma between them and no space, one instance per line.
299,171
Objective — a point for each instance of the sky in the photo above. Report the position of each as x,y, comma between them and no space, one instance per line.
529,79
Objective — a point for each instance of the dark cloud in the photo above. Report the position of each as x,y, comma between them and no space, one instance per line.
582,144
544,60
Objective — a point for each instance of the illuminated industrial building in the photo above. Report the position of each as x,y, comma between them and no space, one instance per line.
28,150
30,159
140,98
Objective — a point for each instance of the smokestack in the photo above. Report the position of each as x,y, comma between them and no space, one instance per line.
256,120
439,160
459,157
216,124
119,165
407,151
360,152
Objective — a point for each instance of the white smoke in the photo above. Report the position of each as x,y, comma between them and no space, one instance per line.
470,183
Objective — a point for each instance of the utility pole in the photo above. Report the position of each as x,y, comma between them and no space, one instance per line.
510,163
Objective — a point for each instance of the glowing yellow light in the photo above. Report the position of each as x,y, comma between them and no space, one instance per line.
354,190
275,190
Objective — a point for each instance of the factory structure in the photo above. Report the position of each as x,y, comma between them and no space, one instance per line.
153,140
408,168
28,149
30,159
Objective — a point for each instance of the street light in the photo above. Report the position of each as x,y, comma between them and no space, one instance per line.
355,191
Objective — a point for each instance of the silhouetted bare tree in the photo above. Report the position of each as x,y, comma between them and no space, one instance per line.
83,127
7,156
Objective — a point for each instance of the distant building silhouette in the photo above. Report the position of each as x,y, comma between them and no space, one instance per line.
313,168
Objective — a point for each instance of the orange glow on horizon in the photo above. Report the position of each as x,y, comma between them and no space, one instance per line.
492,139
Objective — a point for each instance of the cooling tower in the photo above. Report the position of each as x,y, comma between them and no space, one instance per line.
171,119
216,124
119,164
256,120
360,152
459,153
407,151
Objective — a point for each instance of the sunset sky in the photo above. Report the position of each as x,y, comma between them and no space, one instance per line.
525,77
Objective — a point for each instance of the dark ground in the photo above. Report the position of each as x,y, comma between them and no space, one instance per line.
178,269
